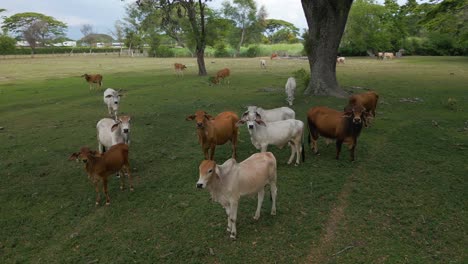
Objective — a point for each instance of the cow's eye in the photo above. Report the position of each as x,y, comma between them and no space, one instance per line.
210,171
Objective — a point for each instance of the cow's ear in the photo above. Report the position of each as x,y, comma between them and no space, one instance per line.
209,117
190,117
244,115
260,122
240,123
109,96
114,127
74,156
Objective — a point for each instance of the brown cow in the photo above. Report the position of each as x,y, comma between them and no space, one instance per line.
100,166
368,100
179,68
273,55
342,126
221,74
93,79
215,131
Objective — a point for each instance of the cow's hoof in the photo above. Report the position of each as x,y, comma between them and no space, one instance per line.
297,164
107,203
131,189
256,217
97,203
233,236
273,212
228,229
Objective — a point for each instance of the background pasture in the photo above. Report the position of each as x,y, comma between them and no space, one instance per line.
403,200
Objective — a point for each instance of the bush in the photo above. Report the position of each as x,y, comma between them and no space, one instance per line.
252,51
221,50
164,52
7,45
302,77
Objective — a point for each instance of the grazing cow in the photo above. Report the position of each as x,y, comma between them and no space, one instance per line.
231,180
110,132
368,100
112,100
221,75
93,79
215,131
99,167
380,55
340,60
273,55
345,126
279,133
290,89
388,55
263,64
272,115
179,68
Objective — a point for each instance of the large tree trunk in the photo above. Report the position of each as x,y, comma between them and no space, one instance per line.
201,62
326,20
241,41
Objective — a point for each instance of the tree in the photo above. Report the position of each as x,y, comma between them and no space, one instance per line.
278,30
118,33
195,11
35,28
7,44
326,20
243,13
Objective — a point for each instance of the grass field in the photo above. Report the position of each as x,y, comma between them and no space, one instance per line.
404,200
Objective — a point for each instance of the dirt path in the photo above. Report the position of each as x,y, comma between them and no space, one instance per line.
320,253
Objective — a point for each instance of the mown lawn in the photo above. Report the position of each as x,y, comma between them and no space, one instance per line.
404,200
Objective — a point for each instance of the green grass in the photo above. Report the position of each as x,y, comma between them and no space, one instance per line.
403,200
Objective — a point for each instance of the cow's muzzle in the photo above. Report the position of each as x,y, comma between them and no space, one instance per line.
199,185
251,126
125,131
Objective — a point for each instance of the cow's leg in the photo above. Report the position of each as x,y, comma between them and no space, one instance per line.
339,143
293,151
104,185
233,217
96,186
227,208
298,151
212,152
205,152
263,148
352,148
261,195
100,147
273,191
130,181
122,179
234,145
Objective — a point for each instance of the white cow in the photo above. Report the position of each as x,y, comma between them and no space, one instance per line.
112,100
279,133
231,180
271,115
290,89
111,132
340,60
263,64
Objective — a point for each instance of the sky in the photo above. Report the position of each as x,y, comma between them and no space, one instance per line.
102,14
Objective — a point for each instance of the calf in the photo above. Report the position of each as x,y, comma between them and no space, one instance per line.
112,100
99,167
343,126
179,68
290,89
340,60
263,64
277,133
221,75
93,79
215,131
231,180
110,132
368,100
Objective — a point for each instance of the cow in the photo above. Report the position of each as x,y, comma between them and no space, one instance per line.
345,126
179,68
368,100
93,79
388,55
112,100
100,166
273,55
279,133
290,89
340,60
221,75
231,180
111,132
215,131
263,64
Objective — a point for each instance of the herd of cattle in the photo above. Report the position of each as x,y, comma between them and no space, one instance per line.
229,181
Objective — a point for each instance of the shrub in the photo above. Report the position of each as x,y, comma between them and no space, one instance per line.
302,77
221,50
252,51
164,52
7,45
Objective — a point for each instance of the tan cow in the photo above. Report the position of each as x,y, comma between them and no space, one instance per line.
231,180
215,131
368,100
179,68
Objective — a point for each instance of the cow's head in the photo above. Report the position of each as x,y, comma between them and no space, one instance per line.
200,118
114,99
357,113
251,117
207,170
183,67
83,155
213,80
